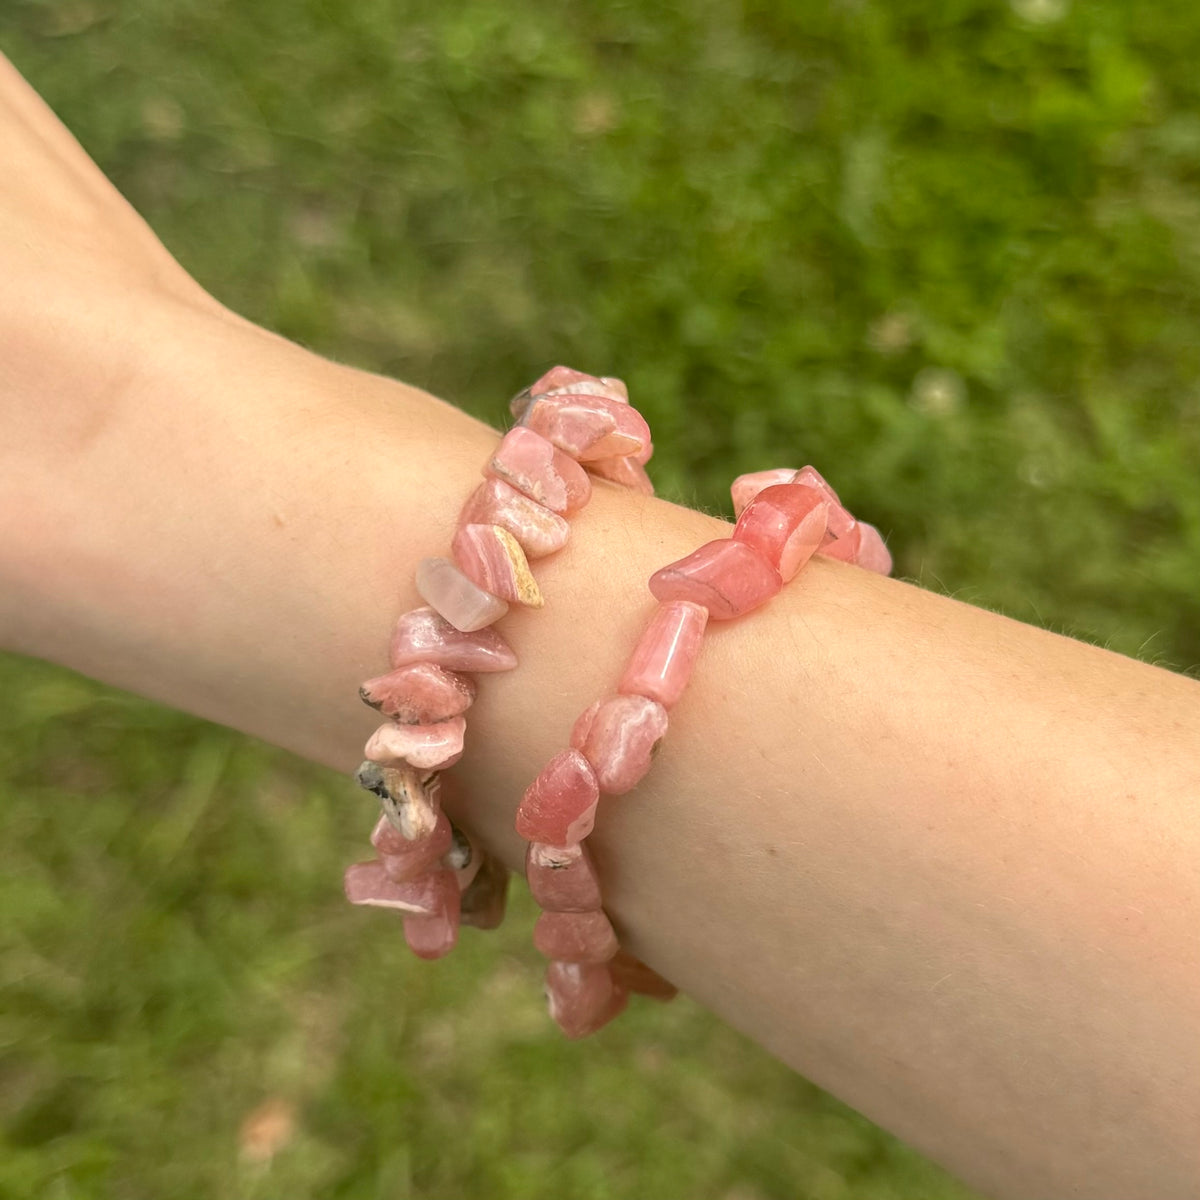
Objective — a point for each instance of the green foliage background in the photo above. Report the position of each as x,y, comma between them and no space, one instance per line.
950,252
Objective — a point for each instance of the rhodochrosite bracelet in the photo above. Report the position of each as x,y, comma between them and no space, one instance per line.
783,518
568,424
426,869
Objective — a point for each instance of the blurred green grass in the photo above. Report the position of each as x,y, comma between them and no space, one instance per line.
950,253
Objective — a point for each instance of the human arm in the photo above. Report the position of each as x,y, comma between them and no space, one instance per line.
942,863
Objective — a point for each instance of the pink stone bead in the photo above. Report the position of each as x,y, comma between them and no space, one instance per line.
460,600
583,997
389,842
562,878
423,635
619,742
405,860
432,937
435,935
484,902
495,502
585,385
540,470
368,883
561,381
559,806
729,578
428,747
873,554
588,427
578,937
840,518
420,694
786,524
559,377
592,385
846,547
632,975
493,559
662,660
624,471
583,724
745,487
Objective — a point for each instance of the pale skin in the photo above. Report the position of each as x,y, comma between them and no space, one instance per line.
945,864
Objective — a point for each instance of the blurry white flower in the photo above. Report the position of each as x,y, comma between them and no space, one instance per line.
892,333
1040,12
937,391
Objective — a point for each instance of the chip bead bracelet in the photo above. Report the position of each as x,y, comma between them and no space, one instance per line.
426,869
784,517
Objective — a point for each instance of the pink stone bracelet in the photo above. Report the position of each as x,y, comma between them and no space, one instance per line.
426,869
783,517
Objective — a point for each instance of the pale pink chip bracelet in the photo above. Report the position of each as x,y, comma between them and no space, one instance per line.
429,871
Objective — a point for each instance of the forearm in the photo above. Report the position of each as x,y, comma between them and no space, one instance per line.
942,863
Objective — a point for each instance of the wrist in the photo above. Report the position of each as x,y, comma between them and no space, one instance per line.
223,496
70,415
144,419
